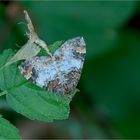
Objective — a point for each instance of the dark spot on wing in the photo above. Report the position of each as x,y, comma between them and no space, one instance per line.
71,80
34,75
78,55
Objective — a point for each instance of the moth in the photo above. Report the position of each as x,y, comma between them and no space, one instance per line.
59,73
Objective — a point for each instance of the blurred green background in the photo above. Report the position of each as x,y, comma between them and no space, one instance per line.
108,104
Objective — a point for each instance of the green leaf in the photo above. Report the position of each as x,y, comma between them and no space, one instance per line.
55,45
9,76
29,99
36,103
8,131
52,48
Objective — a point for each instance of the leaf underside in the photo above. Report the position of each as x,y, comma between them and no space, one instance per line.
28,99
27,51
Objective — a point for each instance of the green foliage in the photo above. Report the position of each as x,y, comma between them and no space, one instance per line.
10,76
38,104
108,105
52,48
8,131
28,99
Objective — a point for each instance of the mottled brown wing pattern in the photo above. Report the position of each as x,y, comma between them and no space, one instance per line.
60,73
